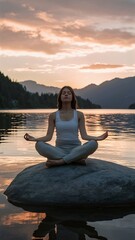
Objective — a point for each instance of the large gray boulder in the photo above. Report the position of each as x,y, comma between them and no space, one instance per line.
99,183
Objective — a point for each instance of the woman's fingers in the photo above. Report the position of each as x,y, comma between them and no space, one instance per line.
106,134
29,137
26,136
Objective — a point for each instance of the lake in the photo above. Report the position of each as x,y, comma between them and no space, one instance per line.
17,154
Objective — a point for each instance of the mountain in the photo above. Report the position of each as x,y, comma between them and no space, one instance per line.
15,96
115,93
34,87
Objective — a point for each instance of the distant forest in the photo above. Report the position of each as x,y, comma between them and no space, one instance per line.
132,106
14,96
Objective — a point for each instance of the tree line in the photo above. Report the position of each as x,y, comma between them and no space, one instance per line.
14,96
132,106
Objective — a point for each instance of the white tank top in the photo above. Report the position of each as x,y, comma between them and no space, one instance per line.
67,130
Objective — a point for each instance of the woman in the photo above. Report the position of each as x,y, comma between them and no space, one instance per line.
67,121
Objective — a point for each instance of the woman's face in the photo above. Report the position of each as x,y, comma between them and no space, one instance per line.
66,95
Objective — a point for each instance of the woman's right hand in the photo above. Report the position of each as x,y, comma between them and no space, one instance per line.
29,137
103,136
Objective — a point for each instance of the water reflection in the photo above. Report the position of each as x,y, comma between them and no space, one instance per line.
10,123
113,122
13,122
75,224
119,146
59,230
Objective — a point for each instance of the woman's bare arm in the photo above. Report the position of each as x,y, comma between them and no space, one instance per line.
83,132
50,131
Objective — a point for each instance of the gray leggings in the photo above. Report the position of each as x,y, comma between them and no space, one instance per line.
69,153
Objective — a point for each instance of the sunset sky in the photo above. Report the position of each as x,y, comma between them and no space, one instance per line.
67,42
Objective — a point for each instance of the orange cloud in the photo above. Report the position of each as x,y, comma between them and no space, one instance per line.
27,41
47,28
102,66
73,39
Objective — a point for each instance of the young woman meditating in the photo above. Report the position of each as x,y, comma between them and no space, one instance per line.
68,122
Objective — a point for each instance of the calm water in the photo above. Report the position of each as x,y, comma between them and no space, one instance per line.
16,154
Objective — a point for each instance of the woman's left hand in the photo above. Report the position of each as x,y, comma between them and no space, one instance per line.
103,136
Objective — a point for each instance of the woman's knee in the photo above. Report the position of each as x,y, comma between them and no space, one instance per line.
94,144
38,145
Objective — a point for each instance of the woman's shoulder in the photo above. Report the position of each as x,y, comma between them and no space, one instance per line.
80,114
53,115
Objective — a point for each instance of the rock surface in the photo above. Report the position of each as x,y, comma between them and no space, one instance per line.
99,183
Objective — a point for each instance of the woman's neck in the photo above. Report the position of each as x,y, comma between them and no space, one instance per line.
66,110
66,107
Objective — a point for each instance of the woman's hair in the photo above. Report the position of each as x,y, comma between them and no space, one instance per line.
73,102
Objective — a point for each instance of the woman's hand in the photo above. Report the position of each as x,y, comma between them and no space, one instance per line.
103,136
29,137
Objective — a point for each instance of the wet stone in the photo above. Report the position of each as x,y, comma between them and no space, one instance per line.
99,183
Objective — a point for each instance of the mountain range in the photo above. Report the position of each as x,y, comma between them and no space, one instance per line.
115,93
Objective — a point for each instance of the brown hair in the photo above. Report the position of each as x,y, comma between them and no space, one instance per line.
73,102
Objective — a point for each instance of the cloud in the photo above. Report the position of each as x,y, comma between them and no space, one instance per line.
66,28
64,8
42,68
96,7
26,41
93,35
65,33
102,66
72,38
108,68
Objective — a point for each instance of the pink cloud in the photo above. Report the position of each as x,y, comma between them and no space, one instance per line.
102,66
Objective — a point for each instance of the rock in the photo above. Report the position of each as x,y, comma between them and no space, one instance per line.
99,183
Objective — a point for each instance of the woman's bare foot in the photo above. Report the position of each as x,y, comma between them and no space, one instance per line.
52,163
80,162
